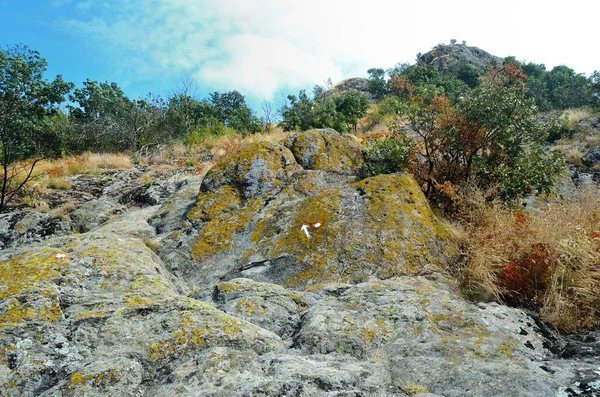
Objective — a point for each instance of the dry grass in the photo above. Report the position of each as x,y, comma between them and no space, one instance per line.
574,116
574,156
547,260
89,162
228,144
62,211
413,388
219,147
58,183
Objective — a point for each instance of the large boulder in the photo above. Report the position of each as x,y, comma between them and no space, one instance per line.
300,216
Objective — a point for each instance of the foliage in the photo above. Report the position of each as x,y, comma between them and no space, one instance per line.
377,85
387,156
231,109
491,135
351,106
27,102
340,113
100,114
428,82
559,88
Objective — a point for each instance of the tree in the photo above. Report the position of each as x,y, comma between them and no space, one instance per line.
26,103
268,115
352,106
491,136
101,114
377,86
231,109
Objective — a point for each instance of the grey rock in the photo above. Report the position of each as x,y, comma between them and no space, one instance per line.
442,57
97,313
172,212
94,212
592,156
359,84
19,228
430,337
269,306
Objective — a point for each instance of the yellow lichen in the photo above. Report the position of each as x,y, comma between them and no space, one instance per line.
29,282
216,235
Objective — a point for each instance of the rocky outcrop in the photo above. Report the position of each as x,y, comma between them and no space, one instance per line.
281,273
297,215
359,84
442,57
99,314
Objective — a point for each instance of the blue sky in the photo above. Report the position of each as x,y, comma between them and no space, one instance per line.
269,48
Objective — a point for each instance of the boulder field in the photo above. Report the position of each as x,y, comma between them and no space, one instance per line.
280,273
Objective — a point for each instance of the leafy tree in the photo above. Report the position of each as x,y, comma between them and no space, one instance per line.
351,107
231,109
491,135
339,113
27,103
377,86
595,88
298,114
389,155
102,117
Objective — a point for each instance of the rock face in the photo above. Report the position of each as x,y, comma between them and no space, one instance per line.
297,215
359,84
241,301
442,57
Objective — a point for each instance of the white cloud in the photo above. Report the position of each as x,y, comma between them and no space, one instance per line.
262,46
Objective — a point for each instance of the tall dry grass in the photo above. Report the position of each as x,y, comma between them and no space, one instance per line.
573,116
547,260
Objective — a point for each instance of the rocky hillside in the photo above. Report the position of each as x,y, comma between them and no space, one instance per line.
443,56
280,273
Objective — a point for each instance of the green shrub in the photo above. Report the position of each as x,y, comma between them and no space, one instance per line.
387,156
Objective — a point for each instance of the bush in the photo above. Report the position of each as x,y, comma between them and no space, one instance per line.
387,156
491,136
547,260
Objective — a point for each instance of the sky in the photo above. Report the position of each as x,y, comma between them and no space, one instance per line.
267,49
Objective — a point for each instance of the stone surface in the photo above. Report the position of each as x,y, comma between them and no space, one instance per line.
359,84
380,226
326,150
90,311
443,56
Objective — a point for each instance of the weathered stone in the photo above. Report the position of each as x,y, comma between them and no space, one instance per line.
431,337
592,156
19,228
326,150
269,306
443,57
172,213
101,298
93,213
381,227
254,171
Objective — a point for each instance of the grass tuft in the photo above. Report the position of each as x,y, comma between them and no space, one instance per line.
547,259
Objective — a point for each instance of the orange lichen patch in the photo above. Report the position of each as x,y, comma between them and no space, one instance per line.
29,283
209,205
216,235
